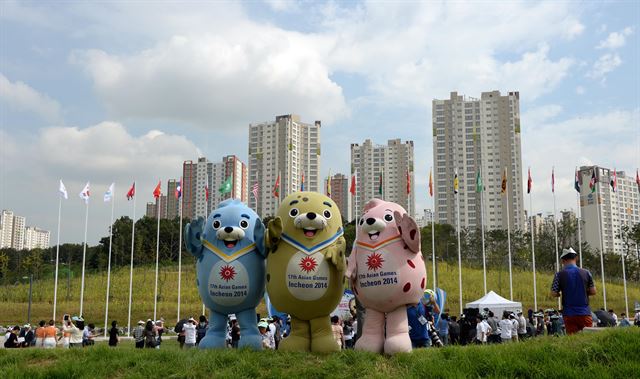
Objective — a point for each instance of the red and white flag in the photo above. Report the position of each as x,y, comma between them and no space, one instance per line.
85,194
529,182
614,181
132,191
408,183
638,180
255,190
352,189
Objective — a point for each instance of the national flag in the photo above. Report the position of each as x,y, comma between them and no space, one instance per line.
529,181
157,192
408,183
430,184
206,192
637,180
352,189
276,188
455,182
132,191
302,182
63,190
578,183
479,184
503,189
380,184
329,186
593,181
553,180
614,181
178,193
109,194
85,194
225,187
254,191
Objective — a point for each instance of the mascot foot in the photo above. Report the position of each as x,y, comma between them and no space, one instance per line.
398,343
371,342
213,341
250,341
324,343
294,343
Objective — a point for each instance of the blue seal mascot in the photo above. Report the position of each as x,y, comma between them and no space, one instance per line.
230,264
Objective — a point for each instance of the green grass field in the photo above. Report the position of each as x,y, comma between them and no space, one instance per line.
606,354
15,298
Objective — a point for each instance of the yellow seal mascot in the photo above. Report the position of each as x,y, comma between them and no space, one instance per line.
305,268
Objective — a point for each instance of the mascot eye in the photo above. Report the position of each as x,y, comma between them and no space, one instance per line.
388,218
326,214
293,212
244,224
216,224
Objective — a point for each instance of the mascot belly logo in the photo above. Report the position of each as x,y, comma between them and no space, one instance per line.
230,251
387,273
305,268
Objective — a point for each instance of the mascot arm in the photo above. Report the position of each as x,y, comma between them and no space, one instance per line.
352,266
335,253
408,230
273,233
259,237
193,235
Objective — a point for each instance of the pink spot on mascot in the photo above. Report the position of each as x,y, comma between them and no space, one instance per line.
387,273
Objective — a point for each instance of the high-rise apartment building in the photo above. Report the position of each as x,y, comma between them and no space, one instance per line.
36,238
341,196
384,172
151,210
201,174
471,135
605,212
6,229
285,148
172,201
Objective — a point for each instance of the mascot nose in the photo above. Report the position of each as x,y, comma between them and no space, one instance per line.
371,221
311,216
228,229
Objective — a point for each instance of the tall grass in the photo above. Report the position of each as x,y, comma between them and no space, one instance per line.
608,354
15,297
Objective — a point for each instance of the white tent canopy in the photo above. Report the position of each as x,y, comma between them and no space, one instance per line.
496,303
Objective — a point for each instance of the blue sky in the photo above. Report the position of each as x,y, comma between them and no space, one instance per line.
116,91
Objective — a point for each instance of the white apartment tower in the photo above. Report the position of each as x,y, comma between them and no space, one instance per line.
473,135
392,163
36,238
12,228
287,148
613,210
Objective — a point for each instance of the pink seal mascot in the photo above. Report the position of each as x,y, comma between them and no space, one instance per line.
387,273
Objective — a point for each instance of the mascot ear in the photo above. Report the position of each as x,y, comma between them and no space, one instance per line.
258,237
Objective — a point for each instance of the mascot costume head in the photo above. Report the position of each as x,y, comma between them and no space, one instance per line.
305,268
387,273
230,253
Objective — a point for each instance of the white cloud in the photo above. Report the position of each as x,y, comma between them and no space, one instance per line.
615,40
580,90
282,5
541,114
604,65
21,97
103,153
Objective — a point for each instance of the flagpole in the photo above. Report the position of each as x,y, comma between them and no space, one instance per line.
533,254
433,234
622,256
509,240
579,216
484,257
106,307
459,249
55,284
604,290
180,249
155,292
84,254
555,225
206,216
133,233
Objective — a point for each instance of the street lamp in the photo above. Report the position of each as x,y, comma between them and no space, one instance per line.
30,277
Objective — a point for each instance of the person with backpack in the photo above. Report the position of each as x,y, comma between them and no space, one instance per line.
201,329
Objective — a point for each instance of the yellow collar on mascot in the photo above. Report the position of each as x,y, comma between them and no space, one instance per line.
228,257
312,249
379,245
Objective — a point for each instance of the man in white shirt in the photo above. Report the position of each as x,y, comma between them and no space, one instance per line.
522,326
189,329
514,327
505,327
482,330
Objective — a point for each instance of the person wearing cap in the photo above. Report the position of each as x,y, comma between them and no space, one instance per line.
189,333
575,285
138,335
268,341
75,328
